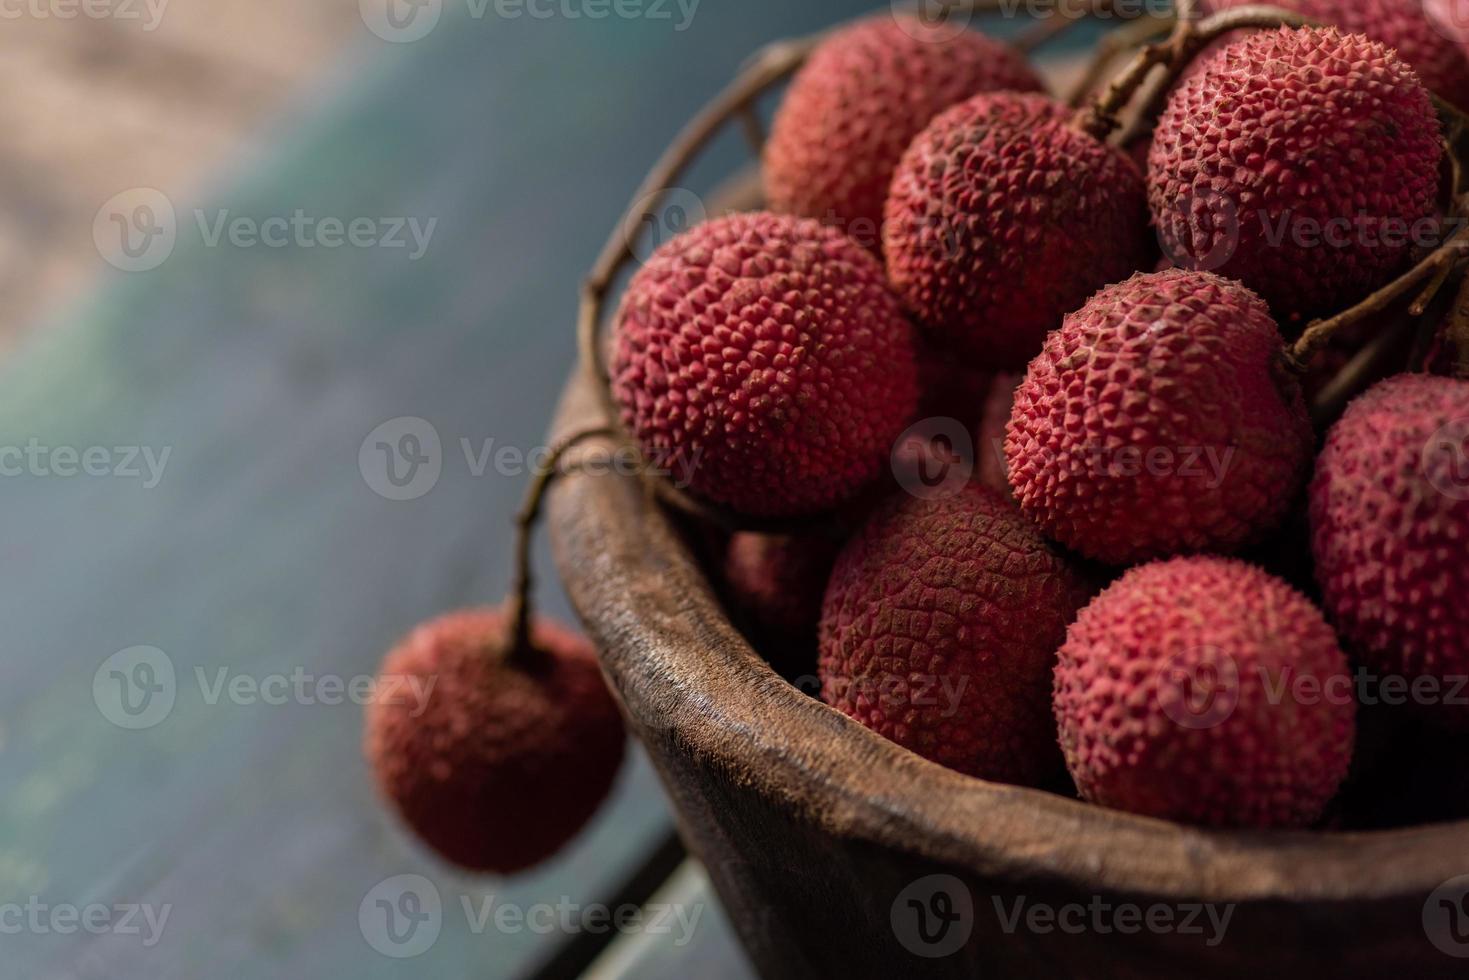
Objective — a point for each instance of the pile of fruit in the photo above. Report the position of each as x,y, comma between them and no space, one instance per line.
1162,581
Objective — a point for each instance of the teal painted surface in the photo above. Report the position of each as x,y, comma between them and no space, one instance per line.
263,550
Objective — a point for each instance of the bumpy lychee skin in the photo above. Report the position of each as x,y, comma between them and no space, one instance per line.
1205,690
939,630
1390,534
1157,422
1417,29
853,109
762,359
1003,218
503,762
1300,162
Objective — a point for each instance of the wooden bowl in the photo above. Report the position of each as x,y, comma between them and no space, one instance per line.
823,838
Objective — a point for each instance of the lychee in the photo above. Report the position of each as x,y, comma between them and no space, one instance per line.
863,95
779,579
1423,32
1003,218
1390,535
761,360
495,757
939,630
1304,163
1158,421
1207,691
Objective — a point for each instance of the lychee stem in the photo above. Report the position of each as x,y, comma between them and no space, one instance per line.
1189,39
519,603
1457,332
1113,44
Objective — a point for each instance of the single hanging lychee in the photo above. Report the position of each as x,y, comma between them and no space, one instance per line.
495,752
1303,163
863,95
940,628
1390,535
1425,34
1207,691
1004,216
1158,421
762,361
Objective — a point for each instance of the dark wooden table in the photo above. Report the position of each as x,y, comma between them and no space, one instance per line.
264,550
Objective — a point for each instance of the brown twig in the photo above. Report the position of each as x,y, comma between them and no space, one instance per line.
1457,331
523,583
1319,332
1189,38
1366,364
1113,45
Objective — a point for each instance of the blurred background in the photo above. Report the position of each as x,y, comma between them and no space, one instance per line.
240,244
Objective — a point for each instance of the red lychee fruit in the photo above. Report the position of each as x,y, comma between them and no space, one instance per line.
1157,421
779,579
762,361
1303,163
1003,218
853,109
1207,691
1390,535
939,630
1422,31
494,759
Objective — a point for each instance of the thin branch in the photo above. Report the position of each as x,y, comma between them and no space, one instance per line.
1114,44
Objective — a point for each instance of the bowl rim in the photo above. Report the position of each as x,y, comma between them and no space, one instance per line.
685,673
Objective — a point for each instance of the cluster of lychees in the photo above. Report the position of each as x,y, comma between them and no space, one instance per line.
945,237
1156,434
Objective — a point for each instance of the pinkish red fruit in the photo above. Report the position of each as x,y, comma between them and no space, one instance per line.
1301,162
1206,691
779,579
762,359
939,630
1390,535
864,94
495,761
1423,32
1003,218
1158,421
